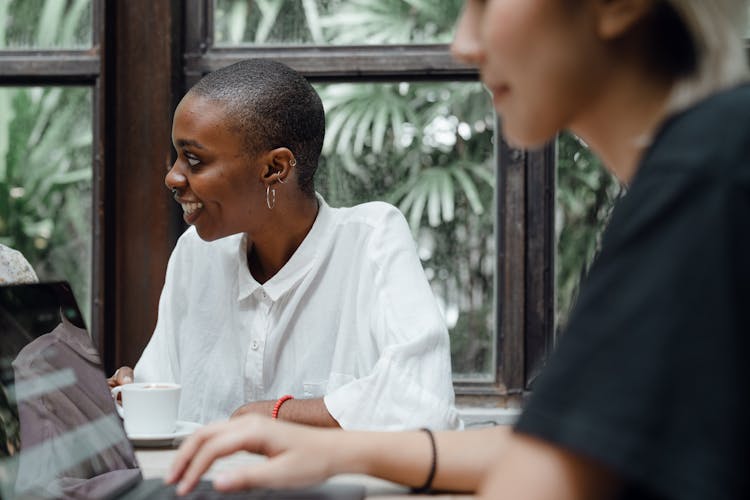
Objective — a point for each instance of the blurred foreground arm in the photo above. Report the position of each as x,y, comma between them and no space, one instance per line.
532,469
301,456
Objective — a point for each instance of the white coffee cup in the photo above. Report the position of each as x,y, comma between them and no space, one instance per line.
148,408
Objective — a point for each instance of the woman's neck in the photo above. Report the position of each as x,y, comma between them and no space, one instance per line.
621,123
269,250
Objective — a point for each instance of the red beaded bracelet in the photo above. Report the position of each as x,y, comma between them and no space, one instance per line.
277,406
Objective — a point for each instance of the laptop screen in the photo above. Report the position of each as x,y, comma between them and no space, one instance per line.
60,435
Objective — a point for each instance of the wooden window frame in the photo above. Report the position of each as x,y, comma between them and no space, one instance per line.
134,68
65,67
145,54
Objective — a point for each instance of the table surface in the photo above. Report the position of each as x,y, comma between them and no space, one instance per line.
155,463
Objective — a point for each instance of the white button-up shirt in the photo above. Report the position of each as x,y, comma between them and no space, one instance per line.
350,318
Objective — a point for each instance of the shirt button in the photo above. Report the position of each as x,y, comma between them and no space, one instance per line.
254,345
263,294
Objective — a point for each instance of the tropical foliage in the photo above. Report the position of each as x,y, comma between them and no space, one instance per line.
336,22
585,196
45,24
45,150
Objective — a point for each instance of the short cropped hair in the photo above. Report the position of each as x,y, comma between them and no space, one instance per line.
703,43
270,105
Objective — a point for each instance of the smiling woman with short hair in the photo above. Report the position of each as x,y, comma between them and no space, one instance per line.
274,302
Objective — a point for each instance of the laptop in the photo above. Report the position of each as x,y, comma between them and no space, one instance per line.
60,435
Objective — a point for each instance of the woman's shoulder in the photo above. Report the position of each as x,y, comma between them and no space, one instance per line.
717,127
371,210
707,142
377,215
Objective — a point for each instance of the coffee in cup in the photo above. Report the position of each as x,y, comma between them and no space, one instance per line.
148,408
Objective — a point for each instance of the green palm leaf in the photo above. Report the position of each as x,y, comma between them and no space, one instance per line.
469,189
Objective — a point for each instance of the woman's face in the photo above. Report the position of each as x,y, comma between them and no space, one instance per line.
541,60
218,183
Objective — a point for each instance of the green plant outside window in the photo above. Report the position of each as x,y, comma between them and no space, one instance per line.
45,24
45,149
334,22
45,181
586,193
428,149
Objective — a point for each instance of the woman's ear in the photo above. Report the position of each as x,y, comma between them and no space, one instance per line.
616,17
283,162
279,165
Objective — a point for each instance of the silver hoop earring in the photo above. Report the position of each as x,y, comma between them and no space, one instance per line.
293,163
270,197
278,178
174,191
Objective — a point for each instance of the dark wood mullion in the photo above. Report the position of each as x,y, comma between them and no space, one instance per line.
142,222
98,212
198,29
366,62
511,265
49,67
539,283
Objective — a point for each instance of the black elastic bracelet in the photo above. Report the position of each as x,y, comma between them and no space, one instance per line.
433,467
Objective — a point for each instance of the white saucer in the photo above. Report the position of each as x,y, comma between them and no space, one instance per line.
183,430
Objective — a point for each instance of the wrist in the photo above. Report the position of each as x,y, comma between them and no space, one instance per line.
278,404
352,453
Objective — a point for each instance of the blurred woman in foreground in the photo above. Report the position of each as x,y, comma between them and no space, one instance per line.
646,396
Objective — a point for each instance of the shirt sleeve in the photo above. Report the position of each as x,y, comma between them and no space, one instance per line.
410,385
159,361
650,377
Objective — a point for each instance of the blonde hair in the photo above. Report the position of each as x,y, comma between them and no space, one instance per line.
717,29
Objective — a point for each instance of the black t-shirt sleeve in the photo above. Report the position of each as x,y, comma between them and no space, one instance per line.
649,378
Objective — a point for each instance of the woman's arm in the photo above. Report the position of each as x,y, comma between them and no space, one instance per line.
533,469
301,411
301,455
402,336
463,457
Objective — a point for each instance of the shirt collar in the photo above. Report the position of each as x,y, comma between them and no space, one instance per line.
296,268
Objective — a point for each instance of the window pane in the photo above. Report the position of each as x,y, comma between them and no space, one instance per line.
428,149
45,182
586,193
334,22
45,24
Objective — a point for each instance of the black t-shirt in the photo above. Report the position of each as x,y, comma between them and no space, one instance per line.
650,378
